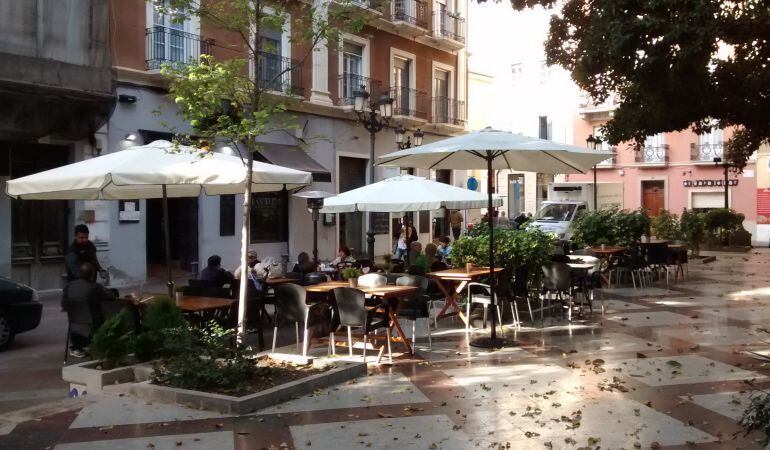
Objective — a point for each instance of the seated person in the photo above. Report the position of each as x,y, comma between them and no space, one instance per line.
343,257
257,272
445,247
214,274
433,262
416,257
304,264
82,298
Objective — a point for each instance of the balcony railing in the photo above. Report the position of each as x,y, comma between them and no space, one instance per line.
448,111
706,151
171,46
653,154
410,11
612,160
350,82
279,74
448,25
408,102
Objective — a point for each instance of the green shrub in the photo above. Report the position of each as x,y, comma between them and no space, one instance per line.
666,226
757,415
610,227
630,226
693,229
113,342
161,317
721,223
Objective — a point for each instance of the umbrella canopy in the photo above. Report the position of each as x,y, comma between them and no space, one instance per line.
508,151
141,172
406,193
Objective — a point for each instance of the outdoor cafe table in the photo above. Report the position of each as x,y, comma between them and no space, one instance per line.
387,292
459,279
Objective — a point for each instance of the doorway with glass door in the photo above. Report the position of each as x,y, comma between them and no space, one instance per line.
352,175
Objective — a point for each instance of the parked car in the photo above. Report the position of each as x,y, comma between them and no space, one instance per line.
20,310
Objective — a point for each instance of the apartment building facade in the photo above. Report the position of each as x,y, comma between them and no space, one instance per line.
671,171
413,50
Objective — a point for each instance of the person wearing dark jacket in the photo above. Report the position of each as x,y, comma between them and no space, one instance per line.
80,251
82,299
214,274
304,264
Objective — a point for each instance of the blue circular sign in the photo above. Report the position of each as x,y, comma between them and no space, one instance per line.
472,183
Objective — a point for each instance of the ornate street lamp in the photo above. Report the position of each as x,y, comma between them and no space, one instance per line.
594,143
374,116
315,201
401,132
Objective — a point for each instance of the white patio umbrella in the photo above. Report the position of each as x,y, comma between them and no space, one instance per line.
405,193
157,170
493,149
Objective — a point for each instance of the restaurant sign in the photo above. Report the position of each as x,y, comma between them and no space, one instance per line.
709,183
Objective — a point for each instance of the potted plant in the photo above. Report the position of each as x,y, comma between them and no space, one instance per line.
351,274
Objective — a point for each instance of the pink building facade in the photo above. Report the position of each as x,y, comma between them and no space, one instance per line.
673,171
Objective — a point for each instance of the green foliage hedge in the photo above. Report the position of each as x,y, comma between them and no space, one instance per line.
610,227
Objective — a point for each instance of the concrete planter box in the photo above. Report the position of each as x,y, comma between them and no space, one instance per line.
227,404
85,377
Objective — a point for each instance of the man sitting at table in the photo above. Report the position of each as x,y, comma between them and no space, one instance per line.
214,274
256,271
82,299
304,264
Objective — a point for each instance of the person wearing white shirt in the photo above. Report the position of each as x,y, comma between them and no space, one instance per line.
257,270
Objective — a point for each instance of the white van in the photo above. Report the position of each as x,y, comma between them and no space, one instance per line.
557,217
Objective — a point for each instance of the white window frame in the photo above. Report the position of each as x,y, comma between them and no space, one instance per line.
365,55
285,41
413,66
191,25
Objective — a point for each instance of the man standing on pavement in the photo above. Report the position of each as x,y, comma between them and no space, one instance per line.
456,223
80,251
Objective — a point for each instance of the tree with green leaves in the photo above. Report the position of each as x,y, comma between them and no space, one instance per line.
224,101
673,64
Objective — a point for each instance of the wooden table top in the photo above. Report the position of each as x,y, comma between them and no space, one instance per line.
581,265
607,250
190,303
462,274
387,291
281,280
677,245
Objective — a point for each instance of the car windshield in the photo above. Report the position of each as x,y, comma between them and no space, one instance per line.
556,212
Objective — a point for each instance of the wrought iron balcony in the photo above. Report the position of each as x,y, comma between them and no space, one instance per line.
706,151
412,12
612,160
448,25
279,74
175,47
350,82
653,154
408,102
447,110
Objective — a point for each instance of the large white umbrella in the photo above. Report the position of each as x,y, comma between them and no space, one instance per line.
494,149
405,193
157,170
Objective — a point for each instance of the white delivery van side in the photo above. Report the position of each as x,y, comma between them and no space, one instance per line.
557,217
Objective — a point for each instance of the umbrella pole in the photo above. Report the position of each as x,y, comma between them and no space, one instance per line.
167,233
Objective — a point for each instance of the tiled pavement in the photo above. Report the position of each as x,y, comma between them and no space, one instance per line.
661,368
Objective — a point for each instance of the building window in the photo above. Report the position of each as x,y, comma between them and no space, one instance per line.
605,146
544,72
404,98
711,145
170,40
516,199
269,217
227,215
353,70
544,127
516,75
655,148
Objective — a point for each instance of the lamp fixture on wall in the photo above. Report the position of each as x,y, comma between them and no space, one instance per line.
130,137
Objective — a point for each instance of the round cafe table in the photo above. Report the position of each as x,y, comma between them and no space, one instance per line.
607,253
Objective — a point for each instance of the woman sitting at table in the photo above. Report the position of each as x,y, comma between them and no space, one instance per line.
304,264
432,260
343,257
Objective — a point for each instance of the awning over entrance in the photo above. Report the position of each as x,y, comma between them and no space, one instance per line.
294,158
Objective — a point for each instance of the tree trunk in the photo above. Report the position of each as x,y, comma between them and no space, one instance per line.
245,239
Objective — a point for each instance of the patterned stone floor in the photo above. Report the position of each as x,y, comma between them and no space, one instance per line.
662,368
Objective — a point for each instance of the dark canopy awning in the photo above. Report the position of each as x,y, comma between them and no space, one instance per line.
294,158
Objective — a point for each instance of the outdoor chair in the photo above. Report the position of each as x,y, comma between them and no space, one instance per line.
314,278
658,260
255,309
679,259
631,263
417,306
520,293
416,270
351,312
291,306
557,282
480,294
205,290
361,263
372,280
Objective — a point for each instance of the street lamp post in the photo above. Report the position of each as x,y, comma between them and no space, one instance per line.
368,117
401,132
315,201
717,162
594,143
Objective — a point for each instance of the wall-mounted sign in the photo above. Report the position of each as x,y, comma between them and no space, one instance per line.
128,211
472,183
709,183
